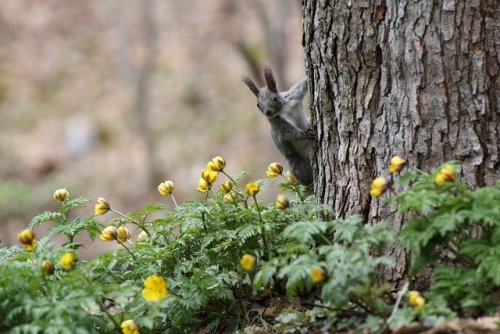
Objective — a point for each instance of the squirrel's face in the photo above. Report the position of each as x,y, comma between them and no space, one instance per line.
269,103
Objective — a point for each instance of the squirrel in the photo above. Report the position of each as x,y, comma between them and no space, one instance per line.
289,127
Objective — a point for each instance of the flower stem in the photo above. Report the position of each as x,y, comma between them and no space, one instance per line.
203,213
127,249
173,200
135,222
229,177
262,232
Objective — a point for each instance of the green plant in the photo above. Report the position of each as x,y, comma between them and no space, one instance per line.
456,232
231,261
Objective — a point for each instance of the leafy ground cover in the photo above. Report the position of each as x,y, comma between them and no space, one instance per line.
232,263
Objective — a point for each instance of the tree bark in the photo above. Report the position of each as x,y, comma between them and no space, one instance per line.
419,79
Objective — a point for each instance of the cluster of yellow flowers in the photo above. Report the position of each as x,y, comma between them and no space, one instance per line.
380,185
110,233
415,299
445,174
210,173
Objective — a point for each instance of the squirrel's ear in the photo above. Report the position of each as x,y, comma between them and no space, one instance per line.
250,85
271,83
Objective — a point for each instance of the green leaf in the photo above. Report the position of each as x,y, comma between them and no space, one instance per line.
74,203
46,216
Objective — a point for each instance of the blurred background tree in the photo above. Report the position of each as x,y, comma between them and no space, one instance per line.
110,98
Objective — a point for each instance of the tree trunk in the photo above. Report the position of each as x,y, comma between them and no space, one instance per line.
419,79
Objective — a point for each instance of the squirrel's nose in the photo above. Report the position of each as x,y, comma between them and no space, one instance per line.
269,112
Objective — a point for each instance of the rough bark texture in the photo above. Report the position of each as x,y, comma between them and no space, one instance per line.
414,78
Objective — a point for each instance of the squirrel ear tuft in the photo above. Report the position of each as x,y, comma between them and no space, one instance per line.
271,83
247,81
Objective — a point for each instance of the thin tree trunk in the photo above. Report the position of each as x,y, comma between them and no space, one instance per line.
418,79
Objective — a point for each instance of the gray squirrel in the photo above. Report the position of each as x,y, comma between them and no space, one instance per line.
289,127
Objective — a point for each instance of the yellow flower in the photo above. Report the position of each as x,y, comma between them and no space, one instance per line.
129,327
48,267
290,177
248,262
26,236
101,207
209,176
67,261
123,234
228,198
166,188
61,195
203,186
445,174
252,189
282,202
32,246
396,164
155,288
415,299
226,187
318,275
378,187
142,236
27,239
110,233
274,169
217,164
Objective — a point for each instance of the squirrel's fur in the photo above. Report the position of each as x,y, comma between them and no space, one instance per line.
288,124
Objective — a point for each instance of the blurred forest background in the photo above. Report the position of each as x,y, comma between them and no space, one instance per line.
111,97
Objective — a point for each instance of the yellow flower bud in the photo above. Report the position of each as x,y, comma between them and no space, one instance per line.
129,327
419,302
203,186
123,234
47,267
290,177
228,198
396,164
318,275
227,186
248,262
26,236
32,246
450,172
110,233
166,188
61,195
67,261
101,207
415,299
252,189
378,187
142,236
217,164
274,169
445,174
209,176
282,202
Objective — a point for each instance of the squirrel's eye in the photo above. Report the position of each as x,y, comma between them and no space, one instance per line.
258,105
275,98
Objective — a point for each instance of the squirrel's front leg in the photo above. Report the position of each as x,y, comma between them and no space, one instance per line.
287,130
